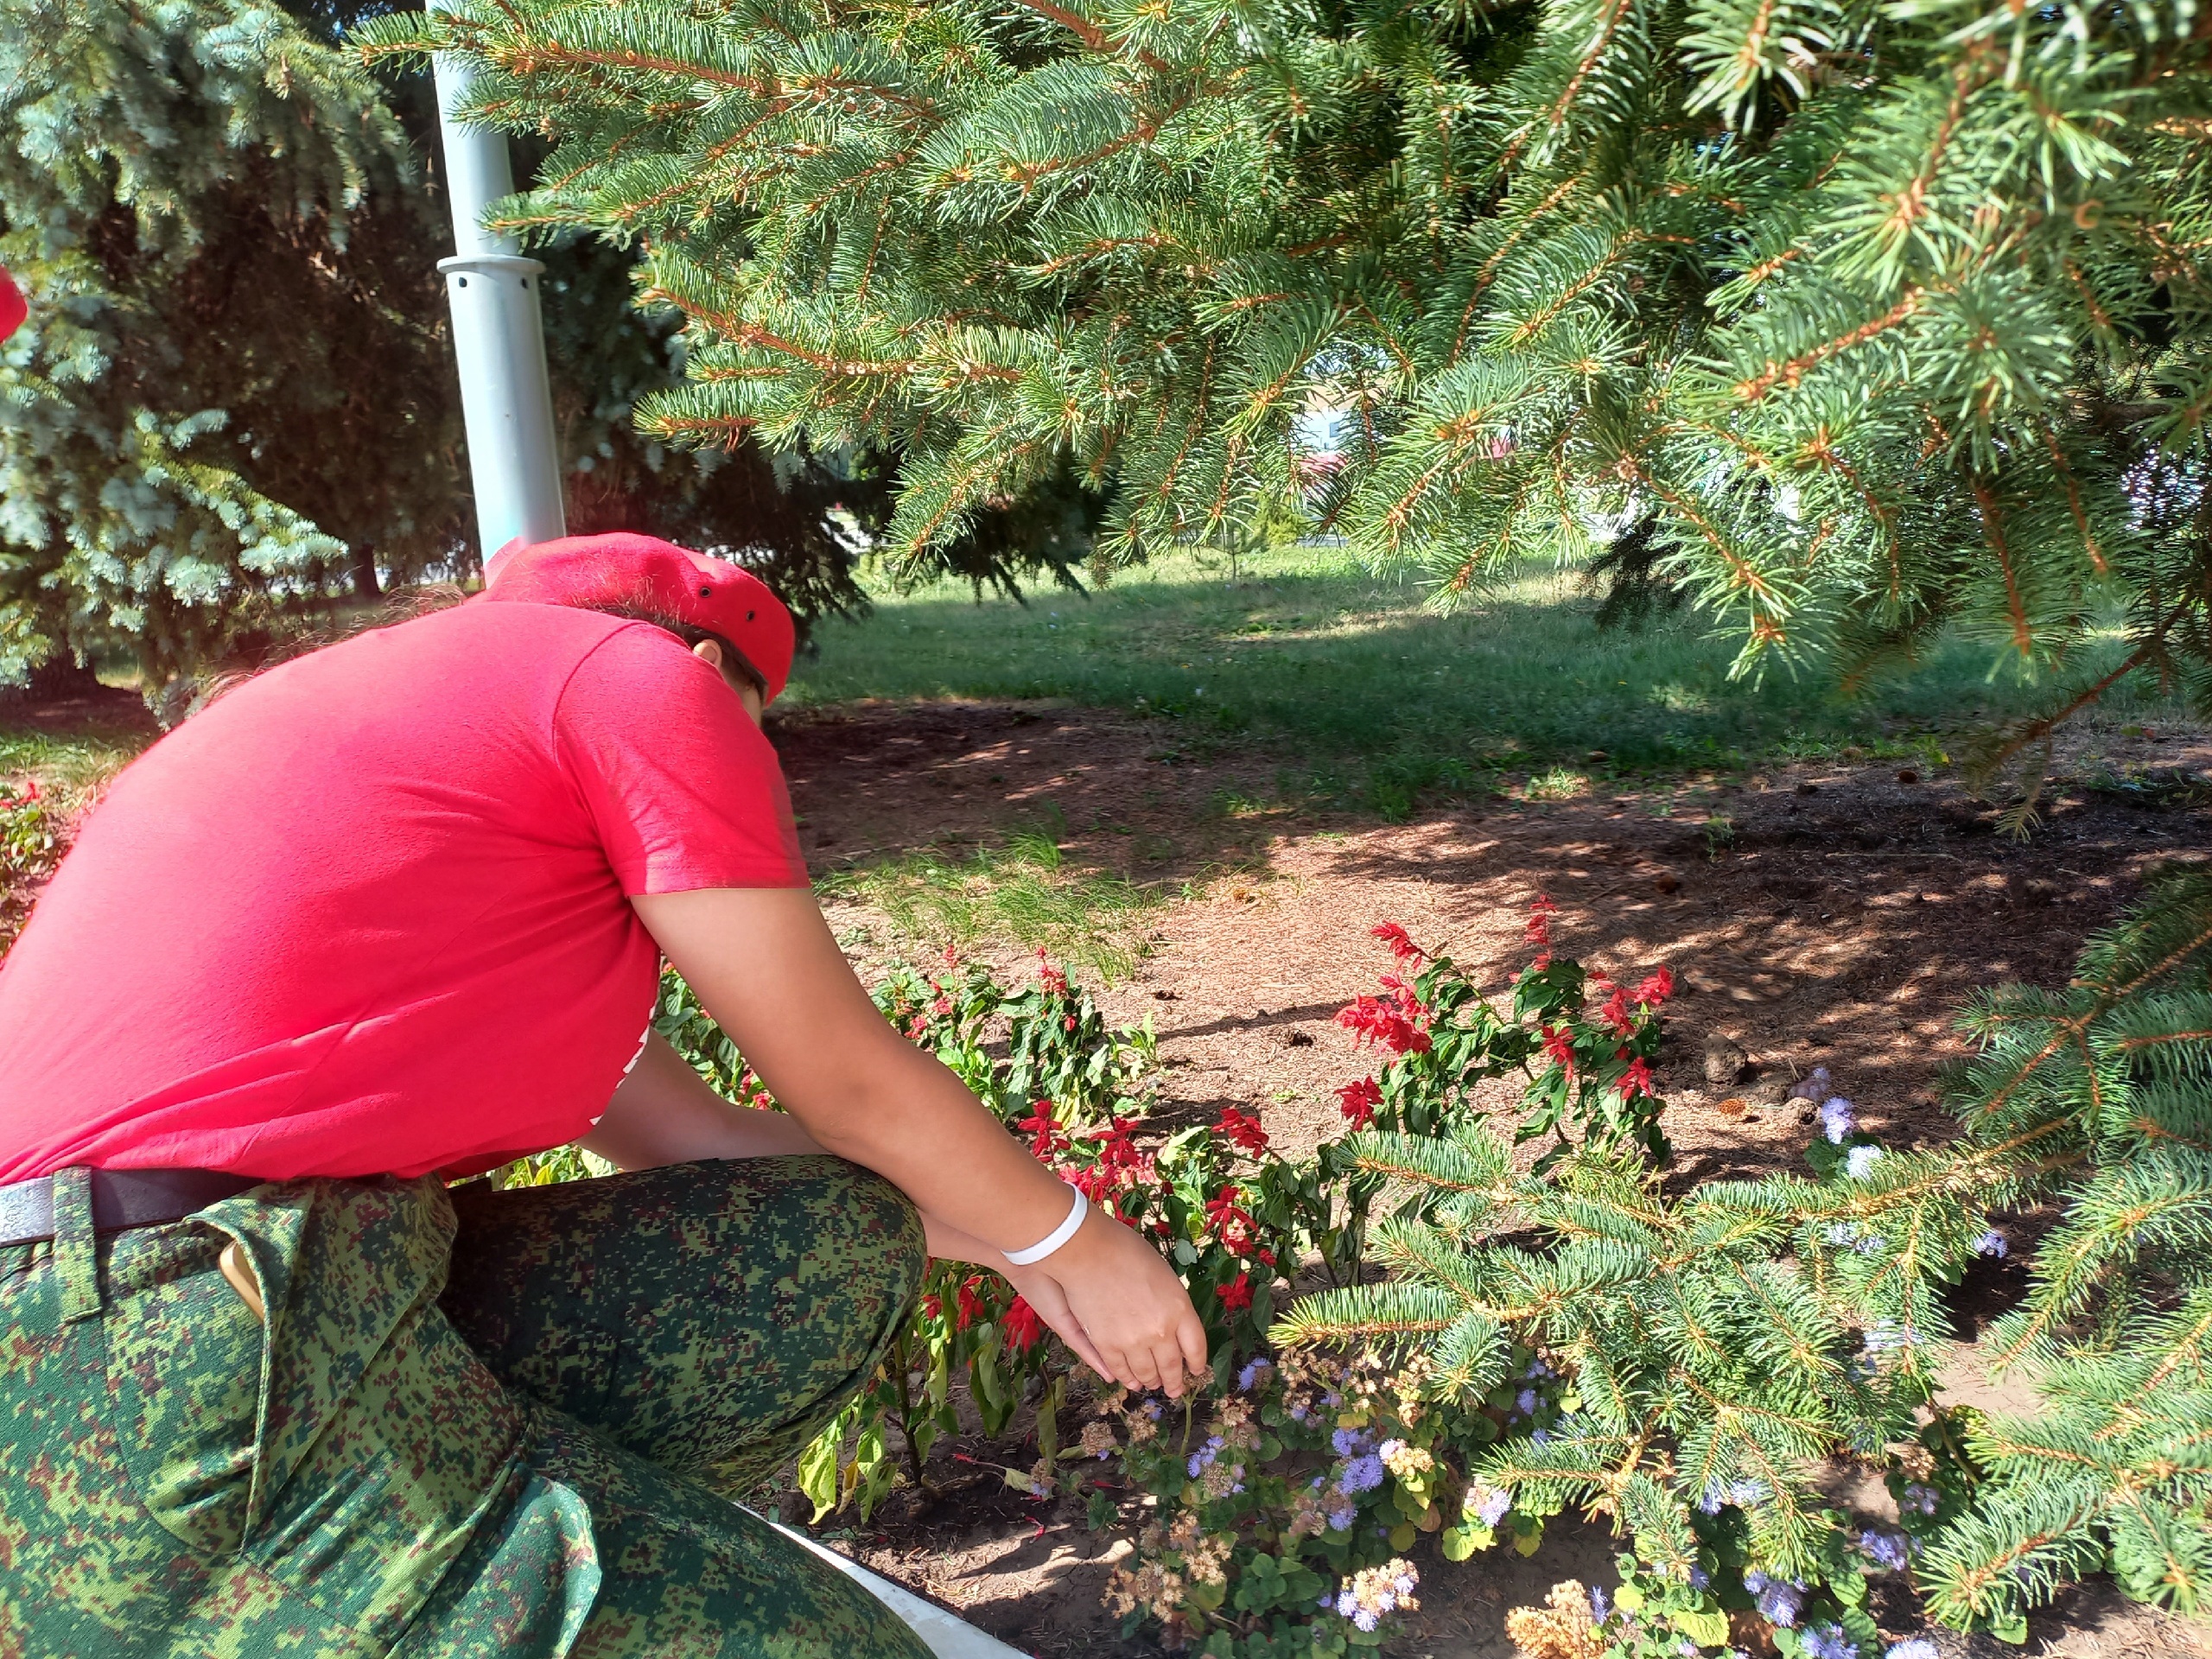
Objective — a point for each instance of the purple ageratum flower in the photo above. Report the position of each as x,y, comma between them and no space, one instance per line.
1871,1244
1836,1121
1300,1412
1253,1372
1197,1464
1341,1519
1841,1232
1349,1442
1362,1474
1748,1494
1913,1647
1488,1505
1407,1582
1756,1581
1700,1579
1779,1604
1597,1605
1333,1400
1525,1402
1860,1163
1347,1602
1885,1549
1990,1244
1364,1620
1829,1642
1541,1437
1714,1498
1919,1499
1537,1370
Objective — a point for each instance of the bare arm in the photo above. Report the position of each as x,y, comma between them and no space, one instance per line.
665,1113
763,964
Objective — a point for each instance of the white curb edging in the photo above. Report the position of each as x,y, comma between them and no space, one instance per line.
944,1634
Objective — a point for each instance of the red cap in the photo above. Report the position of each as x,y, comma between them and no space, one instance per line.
13,308
625,569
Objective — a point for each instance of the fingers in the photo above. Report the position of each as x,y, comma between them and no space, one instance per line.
1191,1338
1168,1360
1051,1302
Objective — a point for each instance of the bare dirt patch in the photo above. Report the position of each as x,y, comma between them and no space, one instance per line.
1830,914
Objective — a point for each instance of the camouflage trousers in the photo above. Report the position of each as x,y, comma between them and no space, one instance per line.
470,1424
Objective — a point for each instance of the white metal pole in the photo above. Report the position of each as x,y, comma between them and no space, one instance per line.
499,337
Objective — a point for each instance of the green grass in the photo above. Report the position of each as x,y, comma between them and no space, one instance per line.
1381,700
1018,891
69,764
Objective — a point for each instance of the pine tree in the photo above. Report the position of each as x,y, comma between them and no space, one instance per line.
234,406
1865,321
1722,1343
187,194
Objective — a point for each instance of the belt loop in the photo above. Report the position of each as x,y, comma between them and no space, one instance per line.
76,1253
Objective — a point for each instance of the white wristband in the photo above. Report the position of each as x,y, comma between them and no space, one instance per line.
1052,1241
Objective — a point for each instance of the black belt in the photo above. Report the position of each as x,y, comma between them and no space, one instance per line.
121,1198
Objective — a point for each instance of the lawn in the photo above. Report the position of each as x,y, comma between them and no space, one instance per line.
1306,653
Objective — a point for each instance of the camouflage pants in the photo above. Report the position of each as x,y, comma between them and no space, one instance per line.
475,1424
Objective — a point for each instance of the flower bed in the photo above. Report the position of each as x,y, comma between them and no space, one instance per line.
1567,1333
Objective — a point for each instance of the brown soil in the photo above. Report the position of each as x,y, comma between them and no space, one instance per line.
1827,914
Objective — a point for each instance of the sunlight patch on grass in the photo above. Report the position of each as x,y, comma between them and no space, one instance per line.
1311,654
1558,784
70,770
1017,893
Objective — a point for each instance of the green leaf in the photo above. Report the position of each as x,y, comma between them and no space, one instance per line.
818,1467
1707,1630
1458,1543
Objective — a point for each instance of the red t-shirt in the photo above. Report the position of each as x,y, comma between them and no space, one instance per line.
368,912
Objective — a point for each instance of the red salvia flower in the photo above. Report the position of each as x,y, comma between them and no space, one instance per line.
1358,1101
1557,1044
1408,997
1372,1019
971,1305
1237,1292
1096,1183
1656,989
1223,1213
1054,980
1400,947
1021,1326
1615,1014
932,1307
1046,1141
1241,1130
1538,932
1117,1148
1636,1080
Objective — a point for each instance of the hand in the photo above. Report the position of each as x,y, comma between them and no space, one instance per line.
1043,1293
1135,1317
